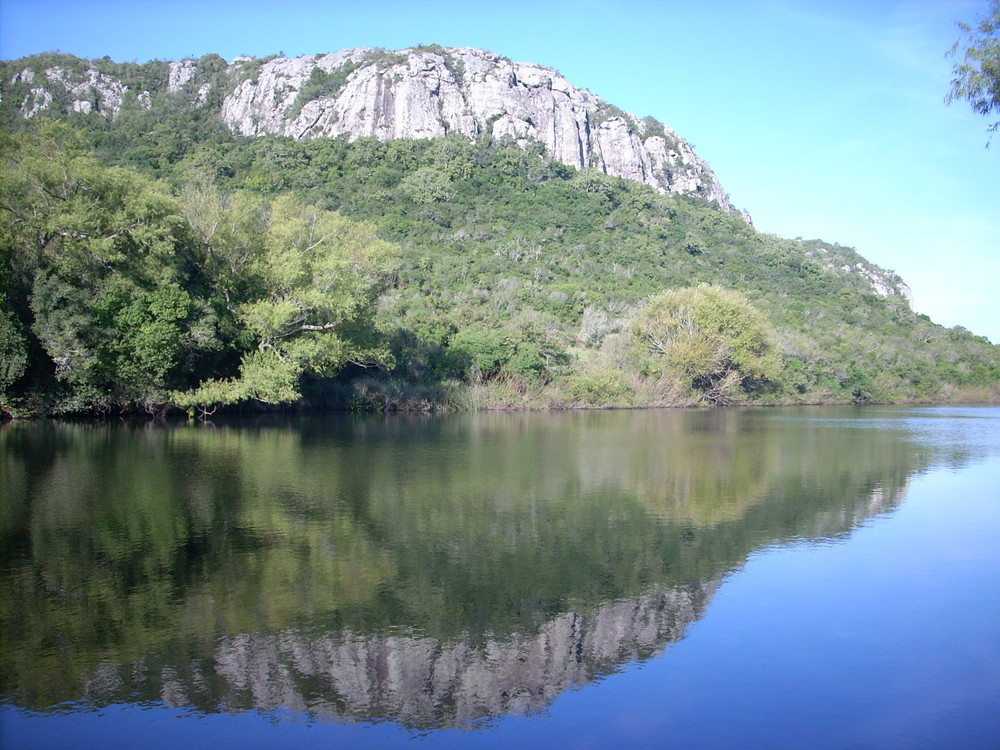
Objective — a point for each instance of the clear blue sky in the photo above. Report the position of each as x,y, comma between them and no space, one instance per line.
822,118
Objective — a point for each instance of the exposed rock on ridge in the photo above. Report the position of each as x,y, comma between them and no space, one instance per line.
430,92
847,263
424,92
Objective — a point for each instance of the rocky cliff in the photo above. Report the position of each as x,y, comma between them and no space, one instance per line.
424,92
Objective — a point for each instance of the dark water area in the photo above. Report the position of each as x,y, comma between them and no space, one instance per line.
783,578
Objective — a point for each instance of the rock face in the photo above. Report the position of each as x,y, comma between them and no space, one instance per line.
424,92
430,92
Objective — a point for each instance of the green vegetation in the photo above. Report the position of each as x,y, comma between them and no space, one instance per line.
711,337
298,281
322,83
99,282
152,261
120,296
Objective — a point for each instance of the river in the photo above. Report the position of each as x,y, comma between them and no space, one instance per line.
747,578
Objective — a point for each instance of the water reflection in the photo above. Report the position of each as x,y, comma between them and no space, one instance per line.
432,571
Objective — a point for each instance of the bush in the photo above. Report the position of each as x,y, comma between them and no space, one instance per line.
599,388
711,336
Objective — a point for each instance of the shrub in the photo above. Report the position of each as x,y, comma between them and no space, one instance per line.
710,335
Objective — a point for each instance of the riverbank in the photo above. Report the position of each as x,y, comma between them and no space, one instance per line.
394,395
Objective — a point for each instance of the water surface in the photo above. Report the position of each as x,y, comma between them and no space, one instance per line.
822,577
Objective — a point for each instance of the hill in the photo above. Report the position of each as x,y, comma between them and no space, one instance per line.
423,92
174,238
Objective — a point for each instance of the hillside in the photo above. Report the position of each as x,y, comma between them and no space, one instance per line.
424,92
174,238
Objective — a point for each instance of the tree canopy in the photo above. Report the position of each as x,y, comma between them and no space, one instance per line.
119,295
304,282
97,275
976,77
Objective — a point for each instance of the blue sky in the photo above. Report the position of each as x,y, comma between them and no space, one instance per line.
822,118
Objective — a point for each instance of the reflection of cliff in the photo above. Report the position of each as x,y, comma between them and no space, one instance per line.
421,681
422,569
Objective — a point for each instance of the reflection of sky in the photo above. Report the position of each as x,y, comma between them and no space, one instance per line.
887,640
959,433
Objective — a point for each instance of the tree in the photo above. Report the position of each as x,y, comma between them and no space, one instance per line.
711,337
96,279
302,284
977,77
13,354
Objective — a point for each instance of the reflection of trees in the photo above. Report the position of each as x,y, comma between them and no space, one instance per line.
123,539
713,467
218,566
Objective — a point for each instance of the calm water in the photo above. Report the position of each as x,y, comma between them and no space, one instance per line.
823,578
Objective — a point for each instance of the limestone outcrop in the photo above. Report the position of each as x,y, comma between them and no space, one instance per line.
423,92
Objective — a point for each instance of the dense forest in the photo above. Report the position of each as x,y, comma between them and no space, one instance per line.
154,262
